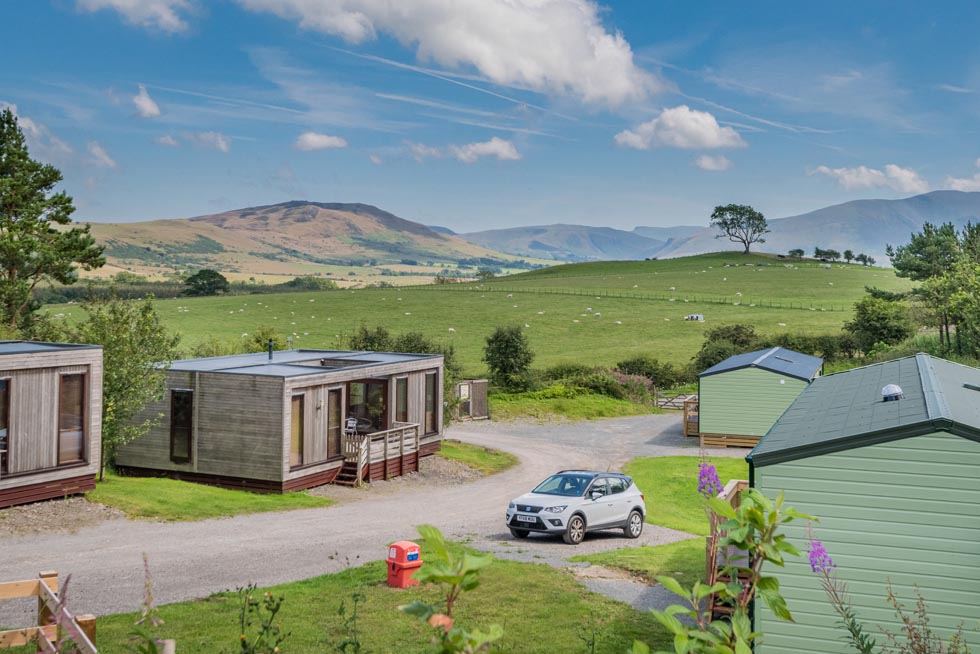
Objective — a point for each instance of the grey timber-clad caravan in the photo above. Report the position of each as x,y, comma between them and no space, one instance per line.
293,419
887,457
50,420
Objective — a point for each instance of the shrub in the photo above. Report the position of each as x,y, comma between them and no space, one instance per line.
508,356
662,375
879,321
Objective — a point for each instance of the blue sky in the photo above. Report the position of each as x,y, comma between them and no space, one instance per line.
478,114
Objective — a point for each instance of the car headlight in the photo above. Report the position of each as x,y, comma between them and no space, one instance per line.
556,509
511,506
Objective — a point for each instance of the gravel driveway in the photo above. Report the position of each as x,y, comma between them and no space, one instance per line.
194,559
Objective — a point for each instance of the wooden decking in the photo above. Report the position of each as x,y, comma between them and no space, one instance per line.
54,619
692,423
381,455
719,558
728,440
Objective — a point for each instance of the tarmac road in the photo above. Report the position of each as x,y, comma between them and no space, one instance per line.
194,559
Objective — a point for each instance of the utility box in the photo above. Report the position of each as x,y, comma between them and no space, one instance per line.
404,558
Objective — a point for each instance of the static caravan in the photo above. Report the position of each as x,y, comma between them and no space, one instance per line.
887,457
741,397
294,419
50,420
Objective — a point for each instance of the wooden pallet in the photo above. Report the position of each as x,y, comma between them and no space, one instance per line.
728,440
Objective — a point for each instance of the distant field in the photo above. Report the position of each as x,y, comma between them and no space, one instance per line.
559,324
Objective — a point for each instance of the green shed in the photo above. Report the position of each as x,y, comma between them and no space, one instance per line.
741,397
893,474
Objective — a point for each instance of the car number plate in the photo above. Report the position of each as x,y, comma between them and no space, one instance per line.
526,518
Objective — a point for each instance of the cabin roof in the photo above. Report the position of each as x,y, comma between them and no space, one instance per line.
296,363
29,347
776,359
846,410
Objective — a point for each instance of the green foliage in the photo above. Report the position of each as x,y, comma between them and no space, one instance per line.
683,560
311,283
663,375
484,459
259,631
754,526
206,282
714,352
879,321
740,223
34,245
136,349
508,356
351,644
258,340
796,253
928,253
457,573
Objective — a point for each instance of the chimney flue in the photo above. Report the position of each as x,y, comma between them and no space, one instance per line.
270,349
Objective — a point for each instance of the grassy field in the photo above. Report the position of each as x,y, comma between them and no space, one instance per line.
595,313
536,406
485,460
683,560
172,500
670,484
542,610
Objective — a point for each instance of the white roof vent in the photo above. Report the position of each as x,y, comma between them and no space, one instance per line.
892,393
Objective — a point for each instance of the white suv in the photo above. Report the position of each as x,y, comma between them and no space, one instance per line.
573,502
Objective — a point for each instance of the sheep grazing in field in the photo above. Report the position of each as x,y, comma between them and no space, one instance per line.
452,330
738,295
588,308
597,314
672,288
527,325
540,313
408,313
781,324
510,295
619,322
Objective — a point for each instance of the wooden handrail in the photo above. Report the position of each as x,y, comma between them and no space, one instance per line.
51,601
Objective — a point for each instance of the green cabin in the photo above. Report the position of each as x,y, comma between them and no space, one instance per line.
741,397
888,458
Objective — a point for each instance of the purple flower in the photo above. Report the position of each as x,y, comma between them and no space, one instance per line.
820,561
708,483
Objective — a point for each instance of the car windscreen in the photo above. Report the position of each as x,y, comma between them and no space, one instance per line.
566,485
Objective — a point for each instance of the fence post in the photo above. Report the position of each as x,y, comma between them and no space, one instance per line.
44,615
87,624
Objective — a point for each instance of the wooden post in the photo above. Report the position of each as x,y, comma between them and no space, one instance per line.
44,615
169,647
87,624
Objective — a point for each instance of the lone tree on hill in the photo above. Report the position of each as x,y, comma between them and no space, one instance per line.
206,282
508,356
32,248
740,223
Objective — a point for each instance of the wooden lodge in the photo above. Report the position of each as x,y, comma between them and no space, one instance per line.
288,420
50,420
740,398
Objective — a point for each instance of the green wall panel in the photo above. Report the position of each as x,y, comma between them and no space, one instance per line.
745,402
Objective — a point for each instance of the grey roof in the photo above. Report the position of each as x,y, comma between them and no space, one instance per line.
29,347
845,410
776,359
295,363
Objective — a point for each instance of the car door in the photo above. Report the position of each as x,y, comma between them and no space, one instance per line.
599,510
622,501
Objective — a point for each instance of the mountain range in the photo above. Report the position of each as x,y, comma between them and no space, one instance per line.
861,225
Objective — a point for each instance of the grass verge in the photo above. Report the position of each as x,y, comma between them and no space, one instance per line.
484,459
591,406
670,484
683,560
172,500
542,610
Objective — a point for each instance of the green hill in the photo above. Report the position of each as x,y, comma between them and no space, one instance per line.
595,313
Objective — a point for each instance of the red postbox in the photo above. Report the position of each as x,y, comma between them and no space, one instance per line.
404,559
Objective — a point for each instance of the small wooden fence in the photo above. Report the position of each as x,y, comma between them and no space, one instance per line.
715,559
54,620
676,402
383,454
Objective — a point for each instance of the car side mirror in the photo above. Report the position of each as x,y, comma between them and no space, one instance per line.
596,494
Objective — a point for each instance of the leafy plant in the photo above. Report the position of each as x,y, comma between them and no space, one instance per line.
351,644
259,615
457,573
754,528
508,356
143,638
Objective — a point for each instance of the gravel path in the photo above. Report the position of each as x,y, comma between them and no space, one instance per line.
192,560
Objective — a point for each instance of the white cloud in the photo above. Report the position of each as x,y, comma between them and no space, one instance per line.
420,151
41,142
146,107
376,160
680,127
315,141
495,147
164,15
214,140
964,183
952,88
166,140
100,157
550,46
713,163
904,180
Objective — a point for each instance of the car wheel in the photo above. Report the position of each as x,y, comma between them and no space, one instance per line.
519,533
575,531
634,525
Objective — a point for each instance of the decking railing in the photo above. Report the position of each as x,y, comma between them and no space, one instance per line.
54,620
715,560
381,447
